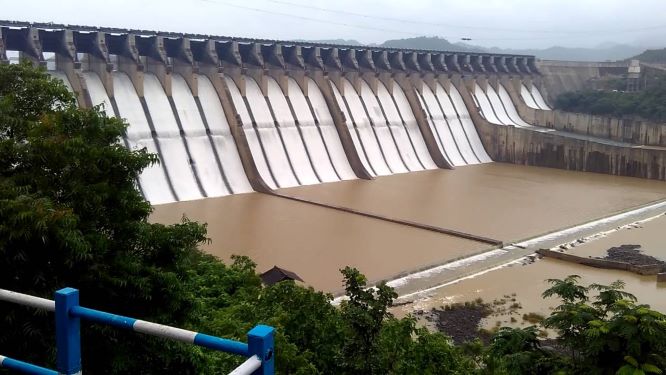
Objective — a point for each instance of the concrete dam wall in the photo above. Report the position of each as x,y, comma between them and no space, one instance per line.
232,115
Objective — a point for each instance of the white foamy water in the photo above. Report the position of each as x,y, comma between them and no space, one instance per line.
525,244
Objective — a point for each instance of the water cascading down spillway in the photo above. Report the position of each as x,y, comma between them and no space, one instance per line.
497,107
292,138
226,115
456,136
383,129
198,156
533,98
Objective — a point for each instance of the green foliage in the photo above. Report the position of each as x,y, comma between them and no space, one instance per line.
518,351
652,56
70,216
609,334
649,103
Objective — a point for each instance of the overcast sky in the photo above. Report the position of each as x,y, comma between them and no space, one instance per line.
502,23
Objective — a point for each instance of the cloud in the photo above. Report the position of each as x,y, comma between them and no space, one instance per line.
503,23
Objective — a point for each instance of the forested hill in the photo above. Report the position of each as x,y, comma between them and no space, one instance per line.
652,56
649,103
605,52
431,43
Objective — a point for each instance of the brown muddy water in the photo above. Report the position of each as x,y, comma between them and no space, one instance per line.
497,200
501,201
526,282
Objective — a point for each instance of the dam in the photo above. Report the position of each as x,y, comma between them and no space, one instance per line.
314,156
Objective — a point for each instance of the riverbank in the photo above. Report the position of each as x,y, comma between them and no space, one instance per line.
526,279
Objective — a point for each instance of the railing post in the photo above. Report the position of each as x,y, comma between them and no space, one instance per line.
260,343
68,332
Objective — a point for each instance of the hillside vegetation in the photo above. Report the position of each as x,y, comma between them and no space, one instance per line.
657,56
649,103
430,43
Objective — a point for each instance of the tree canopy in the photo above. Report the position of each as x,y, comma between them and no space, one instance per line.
649,103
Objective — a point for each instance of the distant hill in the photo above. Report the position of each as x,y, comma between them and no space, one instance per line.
602,53
607,51
657,56
348,42
430,43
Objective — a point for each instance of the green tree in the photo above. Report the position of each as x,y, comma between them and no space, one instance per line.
70,215
611,334
649,103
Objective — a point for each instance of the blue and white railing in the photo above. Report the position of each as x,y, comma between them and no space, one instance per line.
68,314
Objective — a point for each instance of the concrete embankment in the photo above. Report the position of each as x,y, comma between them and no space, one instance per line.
636,131
646,269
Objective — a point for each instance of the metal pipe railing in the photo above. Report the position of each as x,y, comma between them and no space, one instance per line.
248,367
25,367
68,313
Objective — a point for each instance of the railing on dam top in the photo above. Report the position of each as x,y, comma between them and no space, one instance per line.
259,348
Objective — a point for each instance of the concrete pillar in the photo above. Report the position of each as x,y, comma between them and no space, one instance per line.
67,62
294,57
157,62
3,48
183,63
275,66
31,48
100,63
130,64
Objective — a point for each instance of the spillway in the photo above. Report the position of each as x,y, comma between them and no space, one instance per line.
253,140
154,182
325,126
485,107
443,135
456,127
497,106
365,137
174,150
212,149
228,159
381,129
411,127
539,99
510,108
287,135
533,98
292,137
197,154
456,136
313,138
466,121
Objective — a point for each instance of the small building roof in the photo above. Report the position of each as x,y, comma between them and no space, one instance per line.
277,274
